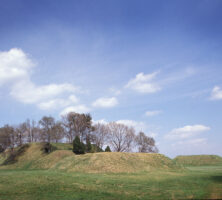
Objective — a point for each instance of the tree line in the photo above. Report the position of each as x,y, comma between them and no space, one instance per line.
72,127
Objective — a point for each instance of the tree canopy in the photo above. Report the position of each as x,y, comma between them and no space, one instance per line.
80,130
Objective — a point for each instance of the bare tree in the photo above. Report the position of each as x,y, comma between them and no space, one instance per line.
36,133
5,138
20,133
57,132
77,125
28,130
121,136
130,139
8,137
100,134
68,128
47,124
146,144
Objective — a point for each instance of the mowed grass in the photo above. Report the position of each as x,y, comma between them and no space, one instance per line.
195,183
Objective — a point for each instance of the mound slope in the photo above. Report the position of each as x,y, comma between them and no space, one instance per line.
116,162
199,160
2,158
34,157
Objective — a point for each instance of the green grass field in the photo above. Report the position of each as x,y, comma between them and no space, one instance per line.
35,175
201,183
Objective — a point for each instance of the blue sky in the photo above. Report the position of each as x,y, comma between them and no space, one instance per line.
155,65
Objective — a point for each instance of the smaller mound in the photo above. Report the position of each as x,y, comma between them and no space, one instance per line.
199,160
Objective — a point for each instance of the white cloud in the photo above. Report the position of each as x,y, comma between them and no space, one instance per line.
195,142
179,75
153,113
73,99
152,134
105,102
139,126
187,131
57,103
77,109
115,91
14,66
15,69
101,121
27,92
143,83
216,93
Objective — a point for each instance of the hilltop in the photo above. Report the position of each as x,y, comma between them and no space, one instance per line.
199,160
32,156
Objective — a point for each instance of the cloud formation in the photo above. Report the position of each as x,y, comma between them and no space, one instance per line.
195,141
101,121
139,126
216,93
77,109
115,91
105,102
187,131
14,66
58,103
27,92
152,113
143,83
15,70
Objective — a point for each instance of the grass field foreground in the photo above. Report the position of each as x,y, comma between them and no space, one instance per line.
49,184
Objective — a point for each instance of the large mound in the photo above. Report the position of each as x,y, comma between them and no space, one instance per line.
33,157
199,160
116,162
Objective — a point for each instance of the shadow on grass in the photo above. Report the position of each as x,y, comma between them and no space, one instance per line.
217,178
15,154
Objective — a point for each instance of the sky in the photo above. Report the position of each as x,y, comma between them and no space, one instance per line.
151,64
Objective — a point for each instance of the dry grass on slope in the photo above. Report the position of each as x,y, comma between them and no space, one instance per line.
115,163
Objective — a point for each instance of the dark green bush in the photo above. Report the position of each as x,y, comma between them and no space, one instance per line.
78,147
107,149
48,148
89,147
1,149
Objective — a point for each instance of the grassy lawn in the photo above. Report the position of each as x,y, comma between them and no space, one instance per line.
199,183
